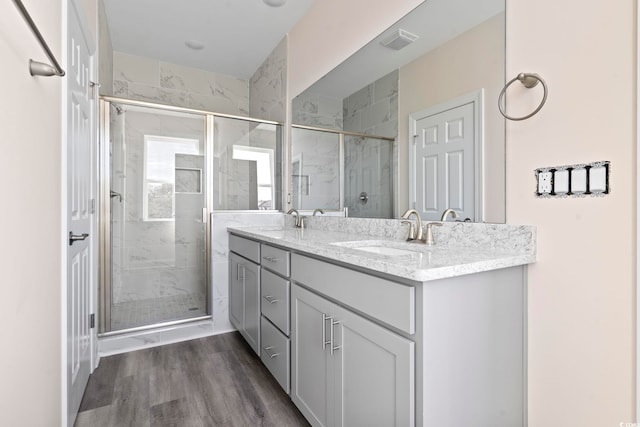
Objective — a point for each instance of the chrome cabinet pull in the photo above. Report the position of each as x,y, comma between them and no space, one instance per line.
271,355
324,330
76,237
337,347
270,258
271,299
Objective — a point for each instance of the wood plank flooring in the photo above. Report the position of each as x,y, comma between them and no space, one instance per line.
213,381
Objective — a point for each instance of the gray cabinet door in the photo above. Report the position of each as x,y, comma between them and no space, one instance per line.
311,380
252,305
236,291
374,371
244,299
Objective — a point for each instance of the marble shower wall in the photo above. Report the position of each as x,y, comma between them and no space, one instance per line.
315,158
374,108
147,79
267,86
313,109
368,162
368,169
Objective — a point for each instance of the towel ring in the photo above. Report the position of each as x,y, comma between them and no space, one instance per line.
528,80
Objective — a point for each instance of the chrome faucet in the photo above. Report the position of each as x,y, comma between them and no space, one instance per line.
418,234
318,210
453,213
299,219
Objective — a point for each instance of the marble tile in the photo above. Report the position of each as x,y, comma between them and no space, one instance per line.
307,103
353,122
329,107
216,104
268,84
136,69
186,79
147,339
375,114
143,92
360,99
121,88
221,322
388,129
386,86
220,277
318,120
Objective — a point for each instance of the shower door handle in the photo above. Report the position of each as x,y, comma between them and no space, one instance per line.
76,237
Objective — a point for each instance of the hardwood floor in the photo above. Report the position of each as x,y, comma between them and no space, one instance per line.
213,381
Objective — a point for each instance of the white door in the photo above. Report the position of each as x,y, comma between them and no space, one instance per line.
445,160
79,216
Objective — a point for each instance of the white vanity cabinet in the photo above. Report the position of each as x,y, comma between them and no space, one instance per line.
244,289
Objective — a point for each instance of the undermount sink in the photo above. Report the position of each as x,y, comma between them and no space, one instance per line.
385,248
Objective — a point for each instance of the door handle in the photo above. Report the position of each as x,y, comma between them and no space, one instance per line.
238,276
76,237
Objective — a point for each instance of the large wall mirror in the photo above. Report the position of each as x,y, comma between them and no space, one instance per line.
410,120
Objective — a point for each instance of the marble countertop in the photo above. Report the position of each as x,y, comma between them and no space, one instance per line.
423,264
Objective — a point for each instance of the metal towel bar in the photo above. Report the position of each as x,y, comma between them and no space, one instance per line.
40,68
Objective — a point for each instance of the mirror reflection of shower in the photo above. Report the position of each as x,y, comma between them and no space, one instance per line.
334,170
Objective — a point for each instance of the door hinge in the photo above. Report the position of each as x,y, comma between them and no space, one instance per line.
92,320
92,206
415,137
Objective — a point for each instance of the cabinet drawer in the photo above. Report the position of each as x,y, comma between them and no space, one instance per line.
249,249
275,353
275,300
390,302
276,260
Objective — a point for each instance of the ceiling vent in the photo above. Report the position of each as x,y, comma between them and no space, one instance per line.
398,39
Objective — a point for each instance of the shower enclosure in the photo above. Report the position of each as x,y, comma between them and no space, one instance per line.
333,170
164,169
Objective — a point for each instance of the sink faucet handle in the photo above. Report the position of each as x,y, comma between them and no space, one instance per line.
412,231
428,240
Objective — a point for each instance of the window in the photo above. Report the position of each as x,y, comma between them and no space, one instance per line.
264,171
158,203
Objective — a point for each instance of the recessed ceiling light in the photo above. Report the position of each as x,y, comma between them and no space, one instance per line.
274,3
194,44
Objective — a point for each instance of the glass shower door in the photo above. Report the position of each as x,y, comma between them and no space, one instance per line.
158,237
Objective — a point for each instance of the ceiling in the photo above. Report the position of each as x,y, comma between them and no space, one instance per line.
238,35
